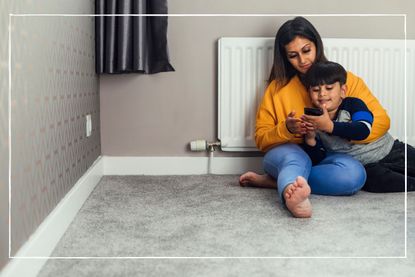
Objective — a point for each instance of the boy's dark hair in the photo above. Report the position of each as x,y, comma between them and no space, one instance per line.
325,73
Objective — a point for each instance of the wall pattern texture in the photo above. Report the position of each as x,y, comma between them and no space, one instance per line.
4,153
53,88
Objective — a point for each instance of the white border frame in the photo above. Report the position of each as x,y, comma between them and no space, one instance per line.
203,15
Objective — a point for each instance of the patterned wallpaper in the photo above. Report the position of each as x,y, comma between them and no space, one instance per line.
4,154
54,86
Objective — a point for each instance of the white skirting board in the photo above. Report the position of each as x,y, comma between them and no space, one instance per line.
180,165
31,257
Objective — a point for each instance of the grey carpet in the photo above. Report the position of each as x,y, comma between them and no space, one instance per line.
212,216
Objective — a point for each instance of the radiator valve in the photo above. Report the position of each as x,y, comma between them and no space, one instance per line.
203,145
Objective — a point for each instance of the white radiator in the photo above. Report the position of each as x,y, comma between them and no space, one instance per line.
244,65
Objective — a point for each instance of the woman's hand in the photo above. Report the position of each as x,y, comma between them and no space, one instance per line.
295,125
322,122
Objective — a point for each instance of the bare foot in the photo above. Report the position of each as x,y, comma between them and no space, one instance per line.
296,198
251,179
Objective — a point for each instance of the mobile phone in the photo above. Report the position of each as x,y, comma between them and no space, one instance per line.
313,111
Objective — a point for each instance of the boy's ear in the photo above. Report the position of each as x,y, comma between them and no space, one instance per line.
343,91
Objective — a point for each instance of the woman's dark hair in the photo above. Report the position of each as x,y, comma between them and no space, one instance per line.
325,73
282,70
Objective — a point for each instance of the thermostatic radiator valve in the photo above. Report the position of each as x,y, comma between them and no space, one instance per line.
203,145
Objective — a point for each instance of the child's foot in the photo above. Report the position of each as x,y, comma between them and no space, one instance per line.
251,179
296,198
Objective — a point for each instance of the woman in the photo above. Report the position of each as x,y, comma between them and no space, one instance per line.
279,129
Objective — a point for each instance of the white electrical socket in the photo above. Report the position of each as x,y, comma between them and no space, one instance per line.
88,121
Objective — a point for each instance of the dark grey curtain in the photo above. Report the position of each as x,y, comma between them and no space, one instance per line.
126,44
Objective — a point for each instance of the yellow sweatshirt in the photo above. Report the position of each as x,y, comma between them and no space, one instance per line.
271,129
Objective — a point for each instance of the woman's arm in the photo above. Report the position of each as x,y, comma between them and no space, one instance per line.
275,114
381,123
268,131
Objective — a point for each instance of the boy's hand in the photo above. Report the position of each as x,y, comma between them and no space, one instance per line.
310,138
322,122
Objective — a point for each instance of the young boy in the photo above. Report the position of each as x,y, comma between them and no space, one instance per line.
347,119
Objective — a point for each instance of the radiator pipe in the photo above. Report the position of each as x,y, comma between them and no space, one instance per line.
203,145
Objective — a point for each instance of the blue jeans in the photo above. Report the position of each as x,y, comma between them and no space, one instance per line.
337,174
